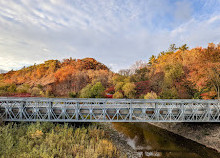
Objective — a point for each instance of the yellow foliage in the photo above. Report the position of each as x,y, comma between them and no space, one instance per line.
37,134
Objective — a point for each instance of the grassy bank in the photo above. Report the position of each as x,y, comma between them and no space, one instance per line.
55,140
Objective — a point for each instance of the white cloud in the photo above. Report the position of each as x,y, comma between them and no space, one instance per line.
114,32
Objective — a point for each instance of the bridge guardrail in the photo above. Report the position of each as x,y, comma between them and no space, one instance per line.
108,110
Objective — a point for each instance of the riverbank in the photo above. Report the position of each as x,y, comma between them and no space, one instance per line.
56,140
119,140
207,134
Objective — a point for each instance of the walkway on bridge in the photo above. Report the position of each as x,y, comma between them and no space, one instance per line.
108,110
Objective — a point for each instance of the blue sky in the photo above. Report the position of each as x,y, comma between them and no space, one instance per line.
115,32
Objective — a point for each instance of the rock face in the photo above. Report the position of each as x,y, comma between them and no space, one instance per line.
207,134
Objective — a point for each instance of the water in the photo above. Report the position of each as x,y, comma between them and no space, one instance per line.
151,141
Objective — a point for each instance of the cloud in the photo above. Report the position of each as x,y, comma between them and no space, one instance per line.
115,32
183,11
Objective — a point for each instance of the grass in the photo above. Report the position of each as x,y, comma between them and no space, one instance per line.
48,140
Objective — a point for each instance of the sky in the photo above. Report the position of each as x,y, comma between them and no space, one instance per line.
114,32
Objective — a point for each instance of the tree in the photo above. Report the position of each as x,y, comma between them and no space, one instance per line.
125,72
92,91
138,65
213,75
86,92
97,90
11,88
119,86
118,95
140,75
152,60
150,95
169,93
72,94
24,88
129,90
172,48
183,47
173,73
36,92
211,45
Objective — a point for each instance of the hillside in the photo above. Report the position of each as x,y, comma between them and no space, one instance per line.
56,78
179,73
183,73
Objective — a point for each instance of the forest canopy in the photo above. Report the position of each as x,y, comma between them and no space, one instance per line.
179,72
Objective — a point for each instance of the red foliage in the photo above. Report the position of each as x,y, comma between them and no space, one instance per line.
18,95
108,95
110,90
142,87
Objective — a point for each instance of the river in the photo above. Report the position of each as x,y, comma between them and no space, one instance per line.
150,141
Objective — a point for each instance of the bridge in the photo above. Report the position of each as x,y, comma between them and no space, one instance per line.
108,110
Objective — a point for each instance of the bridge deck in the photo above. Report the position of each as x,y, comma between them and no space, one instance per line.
108,110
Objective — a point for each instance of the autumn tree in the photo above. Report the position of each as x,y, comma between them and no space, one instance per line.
172,48
183,47
150,95
129,90
213,75
118,95
152,60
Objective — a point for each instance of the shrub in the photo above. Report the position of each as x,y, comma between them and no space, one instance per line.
24,88
55,140
118,95
36,91
72,94
151,95
11,88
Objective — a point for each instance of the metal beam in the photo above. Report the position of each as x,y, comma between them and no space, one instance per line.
108,110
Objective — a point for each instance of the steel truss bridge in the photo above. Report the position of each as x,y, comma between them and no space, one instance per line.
108,110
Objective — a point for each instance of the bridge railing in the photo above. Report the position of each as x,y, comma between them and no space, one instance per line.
109,110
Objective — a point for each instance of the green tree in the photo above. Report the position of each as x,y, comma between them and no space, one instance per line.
72,94
92,91
169,93
86,91
97,90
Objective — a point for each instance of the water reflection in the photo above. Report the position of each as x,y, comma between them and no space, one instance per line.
151,141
